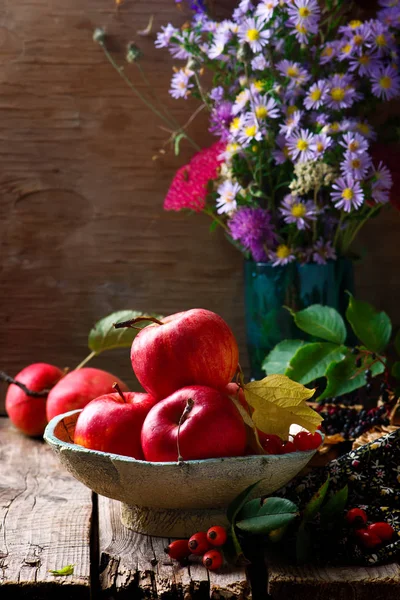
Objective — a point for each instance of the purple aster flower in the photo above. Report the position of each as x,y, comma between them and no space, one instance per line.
366,130
321,143
366,63
356,165
294,71
322,252
316,95
254,34
355,144
304,12
164,36
390,16
383,176
253,229
341,92
301,145
217,93
386,83
221,118
291,123
379,194
265,9
348,194
328,53
282,154
259,63
381,39
294,210
180,84
241,10
283,255
265,107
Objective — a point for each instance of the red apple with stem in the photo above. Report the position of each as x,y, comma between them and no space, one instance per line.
113,423
208,422
78,388
195,347
27,411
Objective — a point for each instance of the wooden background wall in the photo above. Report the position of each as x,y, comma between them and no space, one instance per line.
82,230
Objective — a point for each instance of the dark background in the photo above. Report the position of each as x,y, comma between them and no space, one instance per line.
82,229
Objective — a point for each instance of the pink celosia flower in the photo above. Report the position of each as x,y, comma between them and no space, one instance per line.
188,189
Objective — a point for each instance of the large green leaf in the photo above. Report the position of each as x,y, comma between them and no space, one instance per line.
312,361
313,506
397,343
250,509
277,361
103,336
344,377
277,506
266,523
334,507
373,328
238,502
322,322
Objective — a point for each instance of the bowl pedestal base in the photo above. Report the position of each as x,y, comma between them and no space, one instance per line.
168,522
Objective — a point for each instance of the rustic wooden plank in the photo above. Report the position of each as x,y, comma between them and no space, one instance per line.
338,583
45,519
135,564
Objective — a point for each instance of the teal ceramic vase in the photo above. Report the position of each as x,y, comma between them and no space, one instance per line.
268,290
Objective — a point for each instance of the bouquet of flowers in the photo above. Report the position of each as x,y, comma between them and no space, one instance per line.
291,176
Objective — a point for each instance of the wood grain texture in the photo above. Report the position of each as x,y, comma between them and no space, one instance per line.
82,230
137,566
346,583
45,518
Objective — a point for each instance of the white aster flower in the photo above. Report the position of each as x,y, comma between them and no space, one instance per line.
265,9
226,201
251,32
180,83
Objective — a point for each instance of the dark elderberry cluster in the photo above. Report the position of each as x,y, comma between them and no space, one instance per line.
343,415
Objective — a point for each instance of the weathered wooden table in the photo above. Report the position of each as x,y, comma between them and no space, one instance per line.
49,520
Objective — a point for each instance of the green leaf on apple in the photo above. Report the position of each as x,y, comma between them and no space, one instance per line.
373,328
278,360
322,322
312,360
67,570
279,402
103,336
344,377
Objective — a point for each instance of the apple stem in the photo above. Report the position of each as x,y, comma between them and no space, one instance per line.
7,379
132,322
188,408
86,360
119,391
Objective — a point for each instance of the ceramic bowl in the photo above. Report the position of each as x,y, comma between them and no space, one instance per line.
170,499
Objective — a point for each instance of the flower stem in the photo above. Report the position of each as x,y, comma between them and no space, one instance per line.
216,218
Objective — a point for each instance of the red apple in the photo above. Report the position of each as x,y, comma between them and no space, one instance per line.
195,347
78,388
213,428
113,423
28,413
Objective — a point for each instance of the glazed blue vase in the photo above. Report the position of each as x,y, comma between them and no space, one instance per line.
269,289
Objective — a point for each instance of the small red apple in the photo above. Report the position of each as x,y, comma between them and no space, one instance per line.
28,413
213,428
78,388
113,423
195,347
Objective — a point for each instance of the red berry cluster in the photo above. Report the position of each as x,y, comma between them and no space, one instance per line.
302,441
369,536
201,544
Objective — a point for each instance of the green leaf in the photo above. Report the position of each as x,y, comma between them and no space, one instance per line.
277,361
104,336
323,322
397,342
312,508
334,507
303,544
265,523
342,376
373,328
396,370
312,361
277,506
236,504
68,570
250,509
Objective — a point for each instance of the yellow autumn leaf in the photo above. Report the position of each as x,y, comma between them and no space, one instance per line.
279,402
